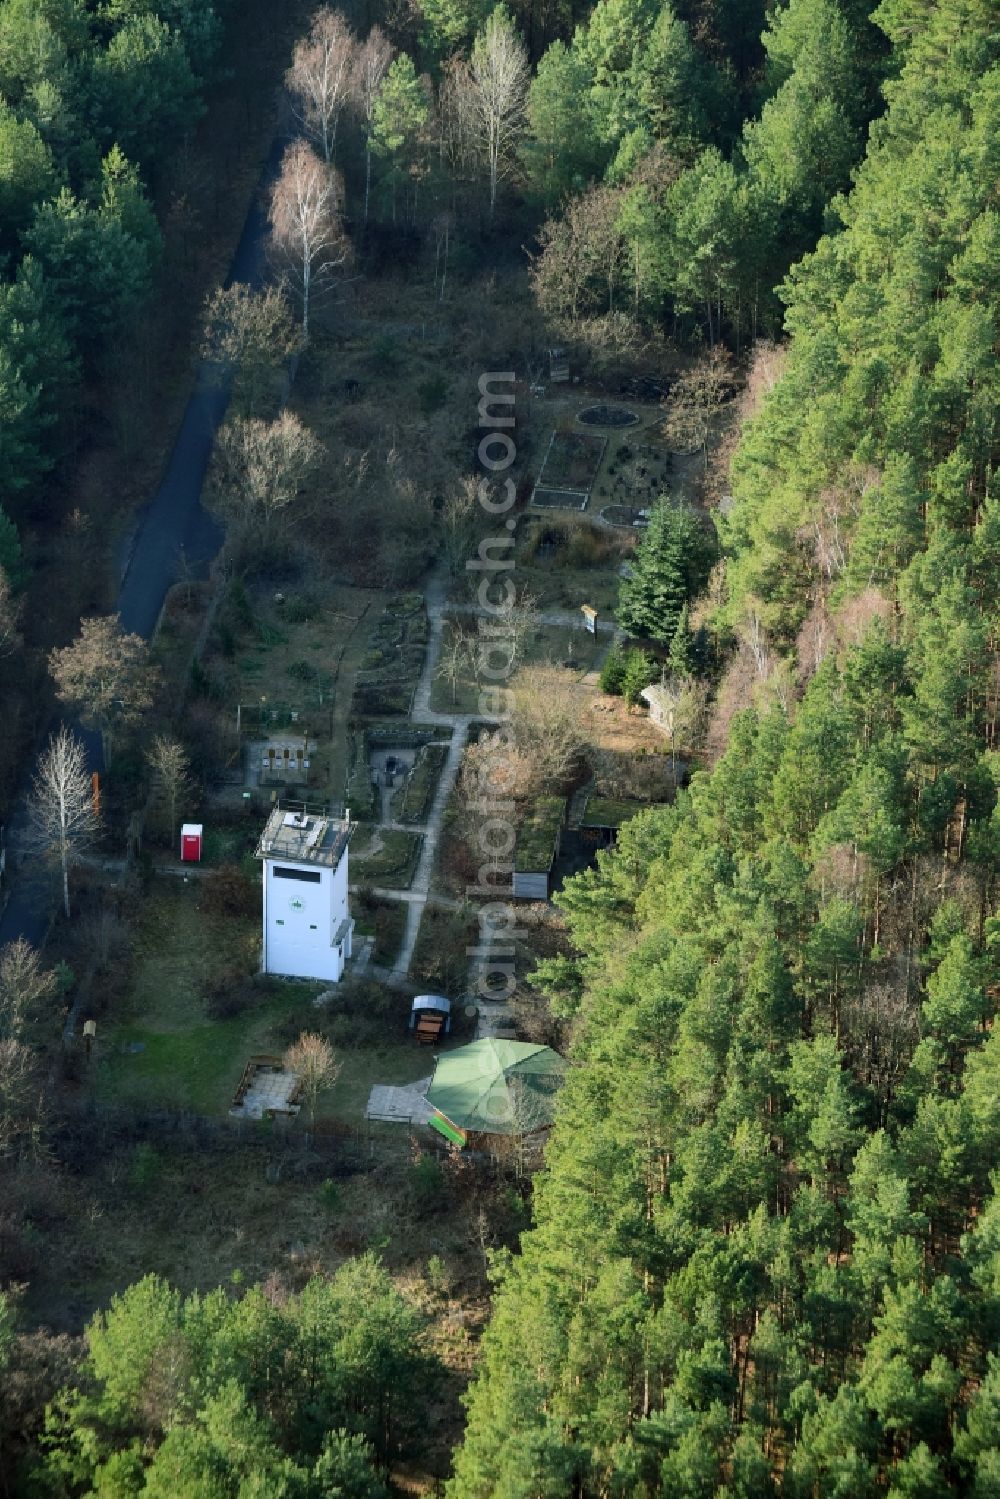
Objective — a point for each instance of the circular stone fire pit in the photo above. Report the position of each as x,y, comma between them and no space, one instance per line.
608,416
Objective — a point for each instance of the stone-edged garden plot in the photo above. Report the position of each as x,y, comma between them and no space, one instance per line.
560,499
572,462
634,478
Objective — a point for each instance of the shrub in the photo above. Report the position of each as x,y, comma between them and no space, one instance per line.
612,679
586,548
437,1275
230,892
329,1195
432,394
147,1167
427,1184
640,671
301,609
386,353
227,995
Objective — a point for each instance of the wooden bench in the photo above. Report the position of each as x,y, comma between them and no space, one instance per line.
429,1028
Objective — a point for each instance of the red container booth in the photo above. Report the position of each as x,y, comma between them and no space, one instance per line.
191,843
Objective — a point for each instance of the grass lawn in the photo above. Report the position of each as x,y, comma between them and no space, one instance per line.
441,959
556,643
393,860
385,920
543,645
188,1060
229,843
610,812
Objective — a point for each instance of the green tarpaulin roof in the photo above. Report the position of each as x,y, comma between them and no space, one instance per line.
497,1087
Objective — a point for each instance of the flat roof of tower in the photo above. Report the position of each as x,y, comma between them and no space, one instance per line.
304,837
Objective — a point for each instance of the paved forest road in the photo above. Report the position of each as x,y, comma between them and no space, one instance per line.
174,523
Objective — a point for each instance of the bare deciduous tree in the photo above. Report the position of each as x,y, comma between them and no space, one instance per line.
321,77
170,767
26,989
881,1025
62,816
306,229
583,254
316,1063
457,656
509,624
456,118
460,514
442,229
253,334
371,64
19,1092
500,75
10,616
496,769
694,400
260,468
546,721
105,675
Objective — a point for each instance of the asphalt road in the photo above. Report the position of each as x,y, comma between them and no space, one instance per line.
174,523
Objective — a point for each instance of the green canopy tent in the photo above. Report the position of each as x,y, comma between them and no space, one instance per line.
495,1088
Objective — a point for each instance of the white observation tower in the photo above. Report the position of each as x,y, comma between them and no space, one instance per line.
307,920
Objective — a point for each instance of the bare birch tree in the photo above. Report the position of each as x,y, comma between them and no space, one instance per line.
321,78
456,120
61,812
170,766
459,518
500,76
306,230
371,64
458,654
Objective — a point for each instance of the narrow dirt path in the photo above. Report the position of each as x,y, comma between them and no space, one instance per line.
418,896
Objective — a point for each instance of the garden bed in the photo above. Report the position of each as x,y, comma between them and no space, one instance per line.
572,461
393,661
413,801
359,792
626,515
608,416
538,835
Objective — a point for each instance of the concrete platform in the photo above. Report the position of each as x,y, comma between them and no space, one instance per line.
269,1092
400,1105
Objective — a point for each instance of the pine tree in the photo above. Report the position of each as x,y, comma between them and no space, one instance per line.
671,564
